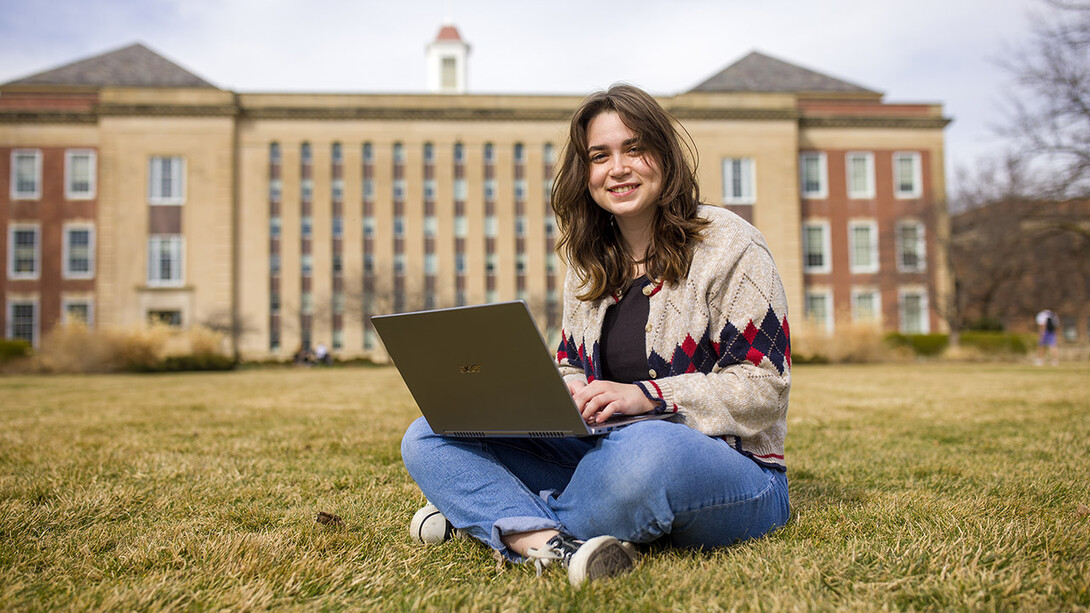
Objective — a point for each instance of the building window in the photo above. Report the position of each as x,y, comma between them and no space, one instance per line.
368,190
276,188
23,321
338,227
491,227
274,153
461,227
306,264
306,303
275,226
337,187
431,226
816,247
77,310
166,180
274,302
399,264
907,175
399,226
399,153
274,264
368,153
913,310
431,264
24,251
813,174
460,190
520,226
489,190
165,260
863,246
490,263
489,153
338,264
429,153
399,190
337,153
550,225
166,318
459,153
860,168
739,181
866,305
368,226
79,174
306,189
520,153
306,226
819,309
552,263
429,190
911,248
79,251
26,173
520,190
460,263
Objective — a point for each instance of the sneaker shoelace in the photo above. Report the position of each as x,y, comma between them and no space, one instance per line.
560,548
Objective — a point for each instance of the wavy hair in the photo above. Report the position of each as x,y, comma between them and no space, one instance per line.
589,242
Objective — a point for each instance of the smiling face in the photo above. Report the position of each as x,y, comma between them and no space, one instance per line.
624,179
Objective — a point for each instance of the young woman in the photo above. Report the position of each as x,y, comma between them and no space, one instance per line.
669,306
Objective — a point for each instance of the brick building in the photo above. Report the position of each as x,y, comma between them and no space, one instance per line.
133,189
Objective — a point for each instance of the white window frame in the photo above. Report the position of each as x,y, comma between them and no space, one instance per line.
920,249
14,190
867,192
822,192
67,250
925,309
92,169
747,179
177,247
155,176
873,265
874,318
917,175
826,247
36,273
69,300
12,302
828,324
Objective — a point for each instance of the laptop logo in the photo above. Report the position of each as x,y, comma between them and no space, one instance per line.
470,369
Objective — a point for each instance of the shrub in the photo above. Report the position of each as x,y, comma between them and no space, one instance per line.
11,350
926,345
74,348
852,343
997,342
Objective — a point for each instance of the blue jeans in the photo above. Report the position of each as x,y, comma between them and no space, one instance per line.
648,481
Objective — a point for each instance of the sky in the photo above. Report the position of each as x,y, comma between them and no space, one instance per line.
933,51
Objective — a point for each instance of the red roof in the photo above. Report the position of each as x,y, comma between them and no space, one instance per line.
449,33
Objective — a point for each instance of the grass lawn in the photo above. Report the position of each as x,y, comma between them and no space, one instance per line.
929,486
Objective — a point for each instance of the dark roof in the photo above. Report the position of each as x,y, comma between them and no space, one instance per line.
132,66
758,72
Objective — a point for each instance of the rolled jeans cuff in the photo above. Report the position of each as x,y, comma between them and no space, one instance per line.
515,525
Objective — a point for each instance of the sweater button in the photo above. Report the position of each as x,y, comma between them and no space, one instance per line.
651,373
647,328
647,290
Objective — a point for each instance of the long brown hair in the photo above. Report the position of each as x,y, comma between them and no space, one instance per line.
590,243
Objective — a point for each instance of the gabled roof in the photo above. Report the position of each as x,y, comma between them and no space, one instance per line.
132,66
758,72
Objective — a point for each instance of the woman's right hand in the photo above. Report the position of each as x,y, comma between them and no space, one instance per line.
574,385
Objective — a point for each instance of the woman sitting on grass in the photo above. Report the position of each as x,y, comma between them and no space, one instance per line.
669,306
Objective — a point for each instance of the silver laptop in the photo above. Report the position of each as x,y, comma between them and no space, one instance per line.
484,370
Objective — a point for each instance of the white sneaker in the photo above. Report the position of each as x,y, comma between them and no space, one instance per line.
601,556
429,526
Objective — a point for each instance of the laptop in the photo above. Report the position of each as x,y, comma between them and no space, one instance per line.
484,371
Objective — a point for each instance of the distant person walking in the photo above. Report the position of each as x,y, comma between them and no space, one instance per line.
1047,324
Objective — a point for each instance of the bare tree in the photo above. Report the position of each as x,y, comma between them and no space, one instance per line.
1049,114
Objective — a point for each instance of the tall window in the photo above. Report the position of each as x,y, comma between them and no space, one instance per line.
166,180
79,174
911,248
866,305
907,175
819,308
739,181
863,246
913,311
77,309
26,174
813,175
165,260
860,168
24,251
23,320
79,251
816,247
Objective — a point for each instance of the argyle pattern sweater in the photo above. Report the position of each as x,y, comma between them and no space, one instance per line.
718,343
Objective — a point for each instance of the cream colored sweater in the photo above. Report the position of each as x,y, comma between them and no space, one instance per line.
718,343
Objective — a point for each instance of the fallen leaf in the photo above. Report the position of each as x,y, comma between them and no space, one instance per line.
329,519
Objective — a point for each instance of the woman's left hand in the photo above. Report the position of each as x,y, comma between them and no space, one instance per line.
600,400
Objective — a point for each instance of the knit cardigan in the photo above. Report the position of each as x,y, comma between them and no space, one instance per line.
717,341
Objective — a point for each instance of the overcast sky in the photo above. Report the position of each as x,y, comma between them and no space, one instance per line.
941,51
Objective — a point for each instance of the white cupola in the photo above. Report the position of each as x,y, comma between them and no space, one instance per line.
447,58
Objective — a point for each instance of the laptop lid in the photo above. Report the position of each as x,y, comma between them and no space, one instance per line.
483,371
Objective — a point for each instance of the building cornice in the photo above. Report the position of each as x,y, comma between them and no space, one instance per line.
167,110
66,116
857,121
405,113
